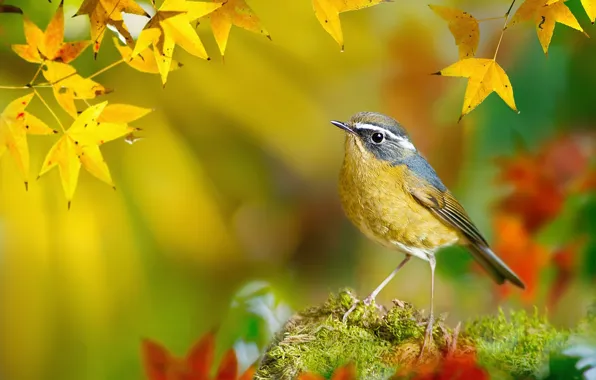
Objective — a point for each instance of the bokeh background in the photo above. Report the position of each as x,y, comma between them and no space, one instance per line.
226,214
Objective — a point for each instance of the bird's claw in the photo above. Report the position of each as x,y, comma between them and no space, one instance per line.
428,337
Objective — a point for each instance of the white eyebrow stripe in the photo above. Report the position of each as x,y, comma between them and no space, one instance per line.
403,141
376,128
406,143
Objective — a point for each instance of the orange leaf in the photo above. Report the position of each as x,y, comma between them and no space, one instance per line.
525,257
49,45
160,365
200,357
347,372
456,367
156,360
228,368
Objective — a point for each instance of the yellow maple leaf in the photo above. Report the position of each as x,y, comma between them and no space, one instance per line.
15,124
545,14
145,62
79,145
68,86
109,12
169,27
589,7
234,12
48,45
484,77
327,12
464,28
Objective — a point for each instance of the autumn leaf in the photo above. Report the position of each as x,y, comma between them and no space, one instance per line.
109,12
161,365
347,372
545,15
145,62
327,12
15,124
590,8
49,45
169,27
6,8
565,261
484,76
68,86
464,28
454,367
540,182
233,12
79,145
526,257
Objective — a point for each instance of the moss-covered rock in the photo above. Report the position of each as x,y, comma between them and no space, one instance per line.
379,341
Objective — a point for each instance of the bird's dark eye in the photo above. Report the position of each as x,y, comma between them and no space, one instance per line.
377,137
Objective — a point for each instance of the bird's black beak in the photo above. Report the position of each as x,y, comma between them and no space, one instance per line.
343,126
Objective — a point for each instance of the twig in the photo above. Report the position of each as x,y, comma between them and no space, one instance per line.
49,109
503,30
491,18
36,74
14,87
106,68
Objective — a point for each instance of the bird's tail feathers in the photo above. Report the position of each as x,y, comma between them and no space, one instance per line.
498,270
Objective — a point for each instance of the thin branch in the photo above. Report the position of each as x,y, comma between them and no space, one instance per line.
14,87
36,74
106,68
491,18
49,109
503,30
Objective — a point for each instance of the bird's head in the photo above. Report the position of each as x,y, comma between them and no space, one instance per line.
372,135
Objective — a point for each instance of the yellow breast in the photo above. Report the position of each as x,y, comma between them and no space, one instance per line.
374,198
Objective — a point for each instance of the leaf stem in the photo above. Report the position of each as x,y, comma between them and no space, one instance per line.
49,109
36,74
491,18
14,87
106,68
503,30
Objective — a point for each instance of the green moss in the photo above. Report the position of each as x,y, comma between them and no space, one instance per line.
377,342
517,346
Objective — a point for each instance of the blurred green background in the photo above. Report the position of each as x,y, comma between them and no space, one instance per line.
234,184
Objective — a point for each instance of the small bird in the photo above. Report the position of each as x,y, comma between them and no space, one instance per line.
393,195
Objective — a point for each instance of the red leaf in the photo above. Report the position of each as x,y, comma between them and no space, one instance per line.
228,368
156,360
347,372
200,357
457,367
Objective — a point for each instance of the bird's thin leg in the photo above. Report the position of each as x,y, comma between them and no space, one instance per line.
371,297
428,336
